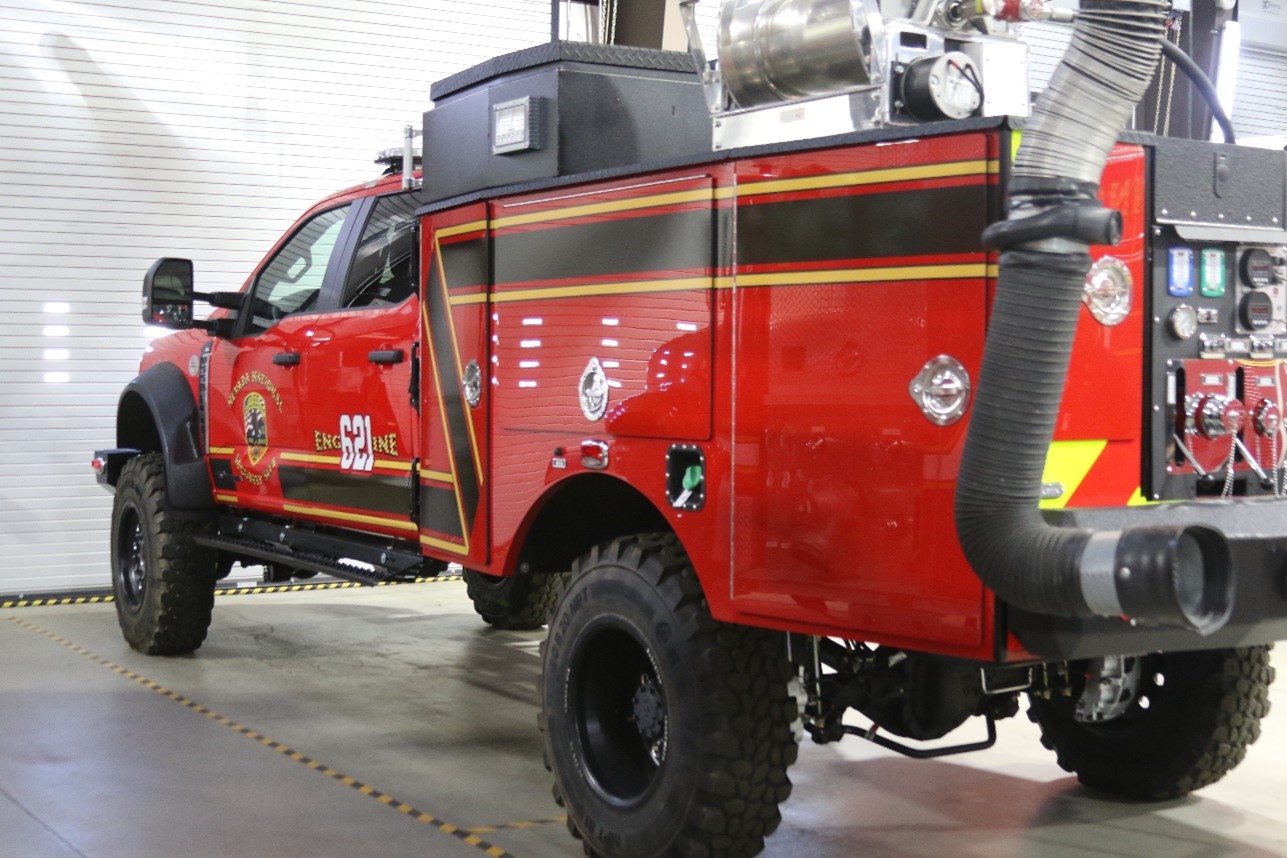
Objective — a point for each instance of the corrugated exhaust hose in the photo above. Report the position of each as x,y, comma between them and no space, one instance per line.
1165,576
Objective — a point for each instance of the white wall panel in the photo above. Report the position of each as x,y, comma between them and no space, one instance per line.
132,129
1260,94
1046,46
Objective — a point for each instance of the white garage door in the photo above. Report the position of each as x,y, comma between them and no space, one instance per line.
131,129
1260,98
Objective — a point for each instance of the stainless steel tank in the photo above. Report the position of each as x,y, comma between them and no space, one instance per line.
778,50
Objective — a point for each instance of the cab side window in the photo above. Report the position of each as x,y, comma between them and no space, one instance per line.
292,280
383,272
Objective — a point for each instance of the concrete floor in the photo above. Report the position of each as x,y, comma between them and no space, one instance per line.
390,721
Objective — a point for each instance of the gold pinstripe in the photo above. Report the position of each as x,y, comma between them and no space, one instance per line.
825,181
435,542
442,410
356,518
460,369
785,278
316,459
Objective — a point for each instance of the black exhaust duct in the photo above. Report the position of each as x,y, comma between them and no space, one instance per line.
1176,576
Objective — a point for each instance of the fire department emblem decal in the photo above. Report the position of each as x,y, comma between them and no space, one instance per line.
257,464
594,390
255,416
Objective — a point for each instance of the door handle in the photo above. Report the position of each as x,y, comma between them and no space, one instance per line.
385,356
286,358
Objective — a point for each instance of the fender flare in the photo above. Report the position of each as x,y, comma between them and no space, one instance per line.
157,412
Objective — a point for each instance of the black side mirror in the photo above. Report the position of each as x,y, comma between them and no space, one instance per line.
168,293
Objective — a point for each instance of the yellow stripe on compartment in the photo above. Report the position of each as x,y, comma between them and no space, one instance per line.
784,278
607,207
631,287
443,544
310,458
336,515
828,181
865,275
1067,464
461,229
438,476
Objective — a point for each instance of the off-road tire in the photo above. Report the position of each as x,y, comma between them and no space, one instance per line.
519,602
636,669
162,580
1203,710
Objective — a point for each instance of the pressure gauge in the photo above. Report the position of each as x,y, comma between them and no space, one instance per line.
1183,321
1258,269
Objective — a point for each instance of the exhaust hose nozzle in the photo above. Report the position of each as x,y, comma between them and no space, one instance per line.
1177,577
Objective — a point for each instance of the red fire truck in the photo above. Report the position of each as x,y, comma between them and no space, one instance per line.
805,382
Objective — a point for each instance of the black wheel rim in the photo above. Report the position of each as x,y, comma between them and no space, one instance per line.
131,560
619,702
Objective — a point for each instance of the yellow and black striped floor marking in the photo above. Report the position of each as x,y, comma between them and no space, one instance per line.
466,835
526,823
49,601
46,601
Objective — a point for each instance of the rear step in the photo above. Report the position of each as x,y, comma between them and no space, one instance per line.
350,559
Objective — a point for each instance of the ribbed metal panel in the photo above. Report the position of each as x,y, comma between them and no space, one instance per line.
132,129
1260,96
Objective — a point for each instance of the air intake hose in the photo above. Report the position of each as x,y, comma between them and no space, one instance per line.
1176,576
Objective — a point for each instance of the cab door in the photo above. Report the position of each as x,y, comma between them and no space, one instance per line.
356,467
254,386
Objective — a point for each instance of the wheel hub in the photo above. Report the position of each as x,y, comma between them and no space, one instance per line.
133,564
619,701
650,717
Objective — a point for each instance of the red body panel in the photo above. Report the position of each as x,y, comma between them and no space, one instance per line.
784,357
843,510
769,312
1107,363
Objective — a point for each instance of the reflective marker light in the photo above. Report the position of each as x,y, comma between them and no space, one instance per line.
1107,293
1179,272
1212,273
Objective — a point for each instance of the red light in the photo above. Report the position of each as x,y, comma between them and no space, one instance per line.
594,454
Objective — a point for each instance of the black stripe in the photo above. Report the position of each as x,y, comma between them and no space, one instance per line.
453,402
622,246
438,512
374,492
466,263
861,226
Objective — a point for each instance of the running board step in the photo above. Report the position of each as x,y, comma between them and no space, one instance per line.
352,560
